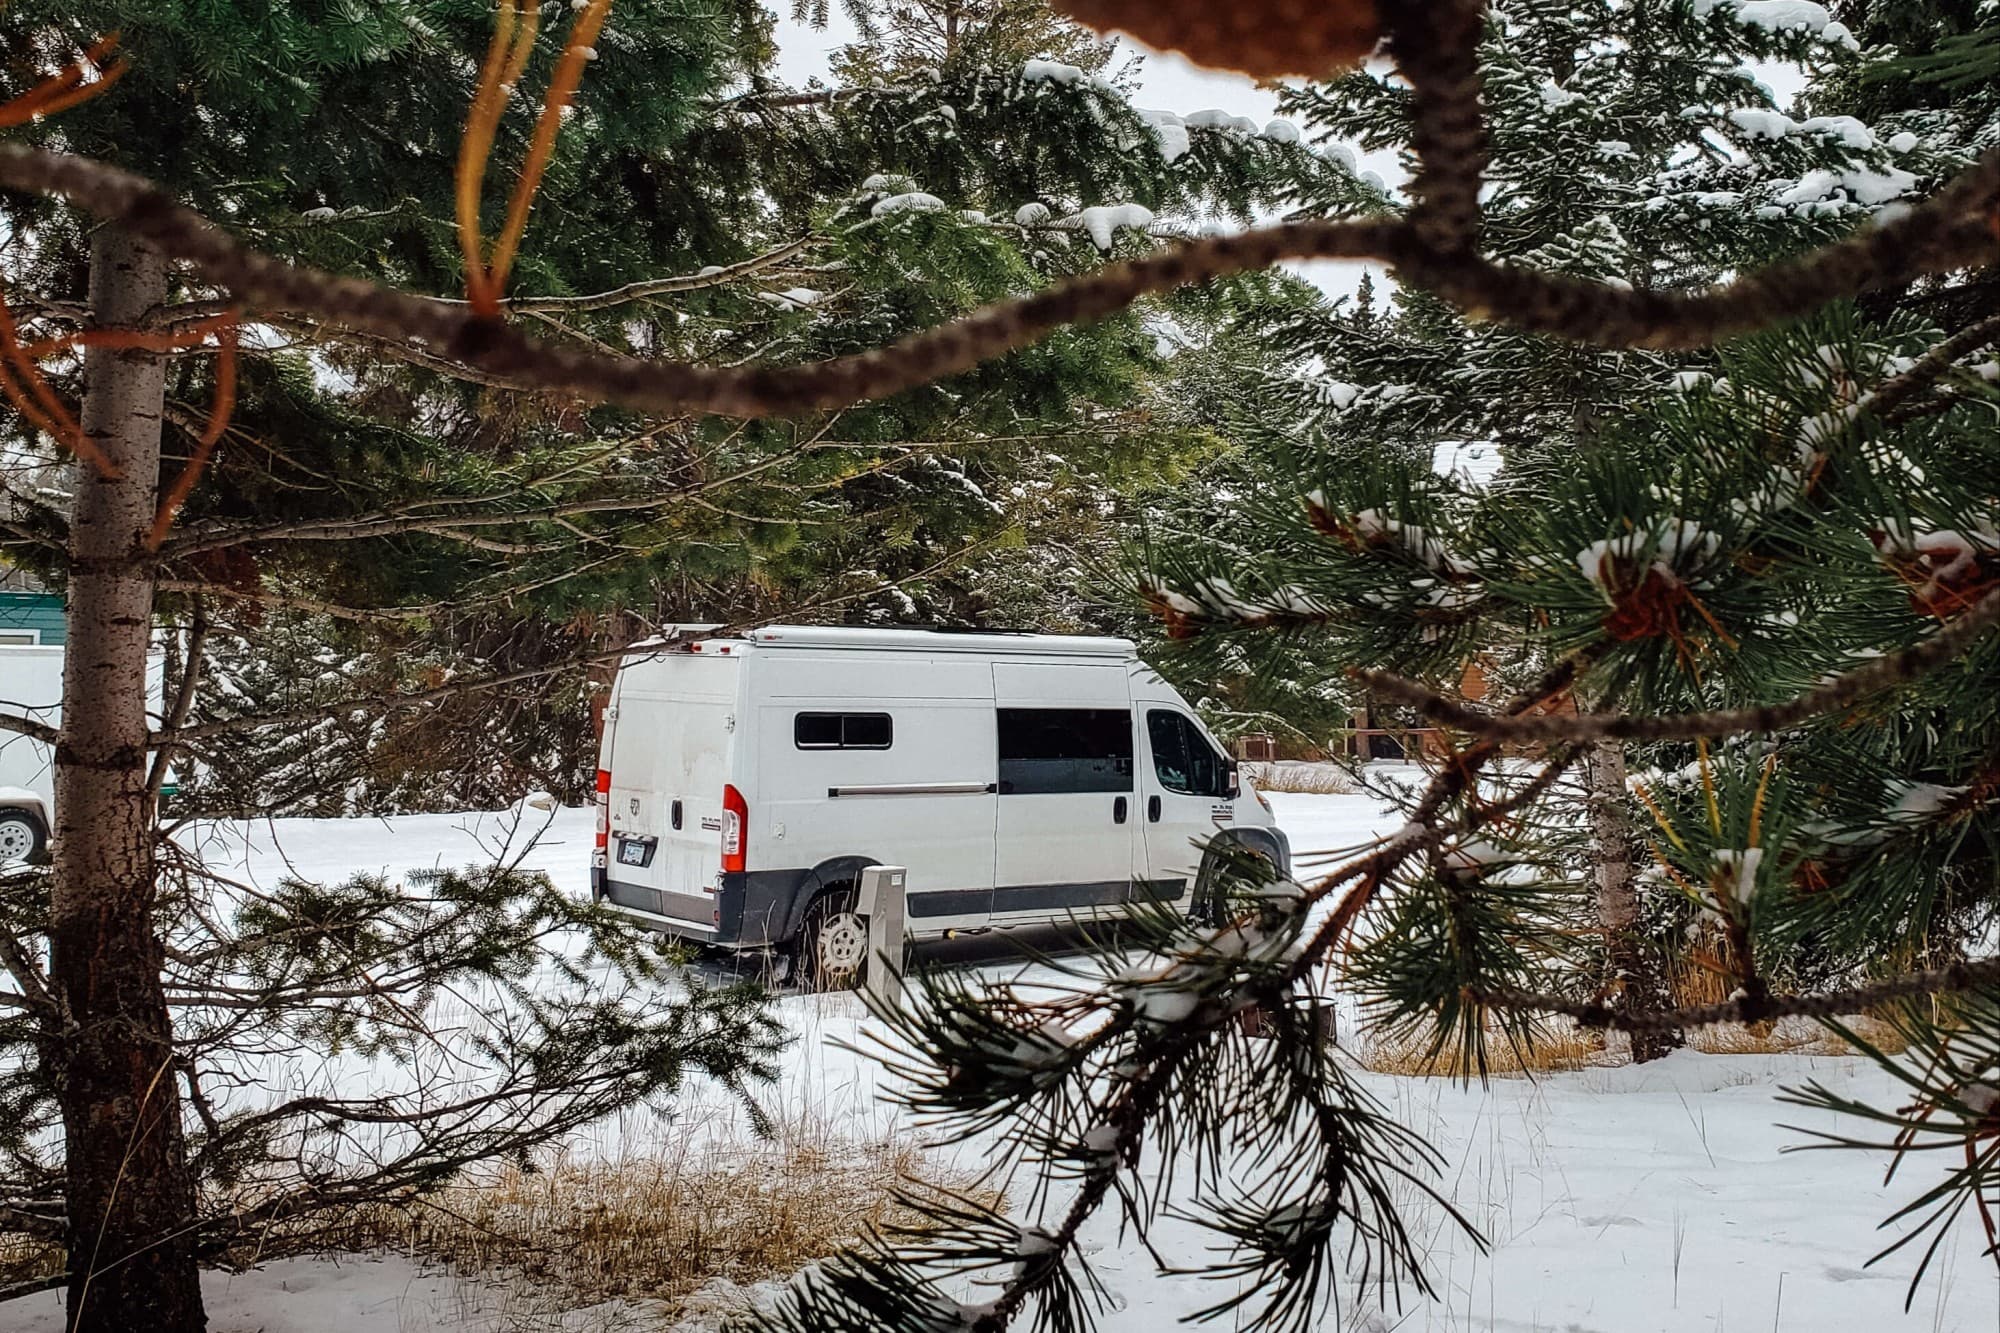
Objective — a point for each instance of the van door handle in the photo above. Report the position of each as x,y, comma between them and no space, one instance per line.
675,814
1118,811
1153,809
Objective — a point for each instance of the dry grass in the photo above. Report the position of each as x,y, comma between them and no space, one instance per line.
656,1229
647,1231
1556,1050
23,1258
1300,777
1698,977
1555,1046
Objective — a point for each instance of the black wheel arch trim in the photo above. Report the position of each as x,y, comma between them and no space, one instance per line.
1271,842
822,878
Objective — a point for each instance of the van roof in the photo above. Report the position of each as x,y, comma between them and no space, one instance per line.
1004,643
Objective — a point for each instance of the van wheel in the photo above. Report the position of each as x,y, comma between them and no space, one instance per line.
22,837
1210,907
833,943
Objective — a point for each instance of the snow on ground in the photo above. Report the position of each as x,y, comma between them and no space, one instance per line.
263,851
372,1294
1655,1200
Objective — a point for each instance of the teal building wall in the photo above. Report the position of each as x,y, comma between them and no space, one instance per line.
38,611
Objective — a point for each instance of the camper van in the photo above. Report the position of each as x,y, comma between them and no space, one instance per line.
1020,779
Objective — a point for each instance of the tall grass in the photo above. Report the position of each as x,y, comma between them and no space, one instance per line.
1301,777
1556,1045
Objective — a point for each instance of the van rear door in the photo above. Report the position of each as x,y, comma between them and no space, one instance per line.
670,759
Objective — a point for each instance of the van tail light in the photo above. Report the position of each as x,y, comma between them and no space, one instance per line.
735,830
602,858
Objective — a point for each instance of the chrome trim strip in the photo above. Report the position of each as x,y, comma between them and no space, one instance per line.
915,789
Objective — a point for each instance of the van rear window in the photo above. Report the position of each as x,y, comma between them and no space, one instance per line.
842,731
1065,750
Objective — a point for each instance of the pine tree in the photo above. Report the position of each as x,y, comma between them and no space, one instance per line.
277,121
911,510
1630,146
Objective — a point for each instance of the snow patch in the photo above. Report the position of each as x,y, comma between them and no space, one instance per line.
1056,72
1214,118
1102,220
916,201
1668,542
1170,132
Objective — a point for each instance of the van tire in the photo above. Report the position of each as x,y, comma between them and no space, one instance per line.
1207,908
22,837
831,952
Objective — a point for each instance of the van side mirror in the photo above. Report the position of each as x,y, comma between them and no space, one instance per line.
1232,780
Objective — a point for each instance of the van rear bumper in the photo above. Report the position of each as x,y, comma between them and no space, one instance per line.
749,909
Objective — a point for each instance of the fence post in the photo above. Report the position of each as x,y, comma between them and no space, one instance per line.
880,902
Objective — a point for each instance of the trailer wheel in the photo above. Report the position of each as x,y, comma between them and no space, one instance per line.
22,837
833,943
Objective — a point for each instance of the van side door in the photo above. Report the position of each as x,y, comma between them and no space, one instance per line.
880,757
1186,785
1066,825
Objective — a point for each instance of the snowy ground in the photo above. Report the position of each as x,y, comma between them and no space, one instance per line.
1615,1200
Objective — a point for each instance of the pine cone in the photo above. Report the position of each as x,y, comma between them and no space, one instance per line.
1266,39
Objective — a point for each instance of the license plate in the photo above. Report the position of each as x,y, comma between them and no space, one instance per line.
632,853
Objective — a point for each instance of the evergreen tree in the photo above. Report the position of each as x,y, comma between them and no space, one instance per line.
1631,146
894,200
283,121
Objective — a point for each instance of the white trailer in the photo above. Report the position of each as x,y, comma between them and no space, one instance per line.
31,684
746,781
30,687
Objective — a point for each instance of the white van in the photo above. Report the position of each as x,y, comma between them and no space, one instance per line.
1021,779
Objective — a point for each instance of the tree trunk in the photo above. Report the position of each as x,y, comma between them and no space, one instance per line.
130,1196
1635,970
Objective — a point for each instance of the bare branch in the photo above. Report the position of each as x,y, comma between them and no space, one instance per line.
385,703
1436,48
26,726
1931,367
640,291
184,697
1948,231
307,605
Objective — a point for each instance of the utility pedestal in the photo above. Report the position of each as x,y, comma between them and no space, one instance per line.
880,902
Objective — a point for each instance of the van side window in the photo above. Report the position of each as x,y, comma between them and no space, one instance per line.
1065,750
842,731
1186,763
